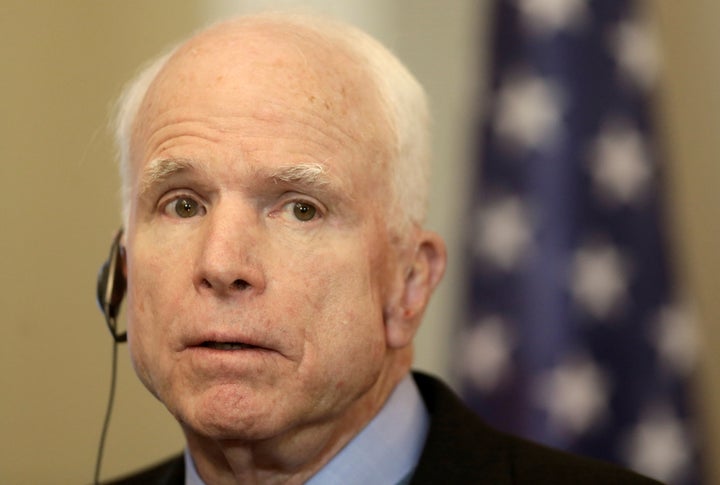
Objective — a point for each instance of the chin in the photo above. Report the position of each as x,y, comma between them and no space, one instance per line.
228,415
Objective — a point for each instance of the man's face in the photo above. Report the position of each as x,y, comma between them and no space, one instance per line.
258,261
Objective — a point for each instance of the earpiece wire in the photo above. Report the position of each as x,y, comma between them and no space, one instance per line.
111,399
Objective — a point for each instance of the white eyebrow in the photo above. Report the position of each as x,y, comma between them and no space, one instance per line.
302,174
160,170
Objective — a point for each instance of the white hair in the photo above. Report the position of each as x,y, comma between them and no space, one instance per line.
403,102
126,110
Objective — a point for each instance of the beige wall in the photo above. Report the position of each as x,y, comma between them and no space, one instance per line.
64,62
691,102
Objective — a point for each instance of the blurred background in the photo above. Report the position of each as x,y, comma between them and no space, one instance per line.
64,65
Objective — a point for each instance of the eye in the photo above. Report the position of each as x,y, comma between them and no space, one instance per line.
184,207
299,208
304,211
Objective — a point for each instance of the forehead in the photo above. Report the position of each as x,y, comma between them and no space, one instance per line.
268,67
265,74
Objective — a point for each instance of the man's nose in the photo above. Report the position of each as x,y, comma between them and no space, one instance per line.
228,262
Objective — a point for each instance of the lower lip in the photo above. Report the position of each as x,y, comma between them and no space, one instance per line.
210,364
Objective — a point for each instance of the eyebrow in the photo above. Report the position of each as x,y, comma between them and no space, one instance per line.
309,174
160,170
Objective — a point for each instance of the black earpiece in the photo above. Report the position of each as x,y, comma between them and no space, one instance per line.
111,287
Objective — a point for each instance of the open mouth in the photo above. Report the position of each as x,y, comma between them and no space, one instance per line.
227,346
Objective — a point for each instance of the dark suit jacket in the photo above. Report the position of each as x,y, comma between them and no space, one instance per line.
461,450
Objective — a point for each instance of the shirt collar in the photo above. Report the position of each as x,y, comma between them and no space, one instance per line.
385,451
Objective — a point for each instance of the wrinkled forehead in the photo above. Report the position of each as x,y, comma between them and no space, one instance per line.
271,68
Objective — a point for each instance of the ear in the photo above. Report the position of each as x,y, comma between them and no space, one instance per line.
423,273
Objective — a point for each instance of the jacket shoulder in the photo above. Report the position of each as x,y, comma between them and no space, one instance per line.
461,449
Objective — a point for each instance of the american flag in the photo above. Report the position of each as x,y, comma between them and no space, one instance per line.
575,335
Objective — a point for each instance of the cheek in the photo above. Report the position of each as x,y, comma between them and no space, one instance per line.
140,331
156,287
345,313
149,317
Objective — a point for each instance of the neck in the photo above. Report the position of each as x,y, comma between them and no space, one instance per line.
293,456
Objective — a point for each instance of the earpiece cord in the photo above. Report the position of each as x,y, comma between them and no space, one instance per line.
108,413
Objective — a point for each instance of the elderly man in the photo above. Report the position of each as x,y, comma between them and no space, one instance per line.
275,179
